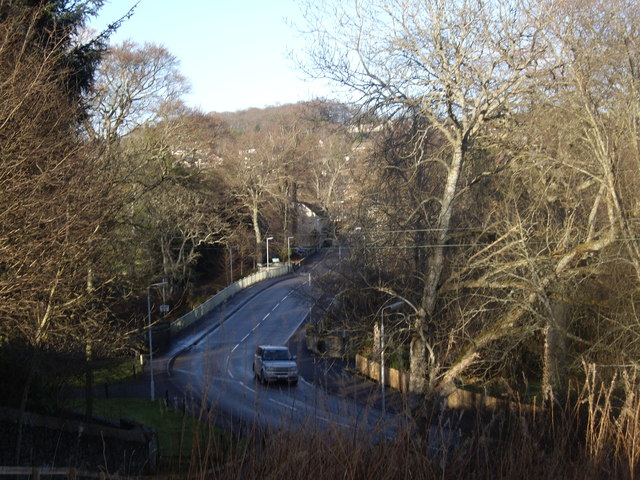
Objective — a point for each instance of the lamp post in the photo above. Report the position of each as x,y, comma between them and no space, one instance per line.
152,385
289,251
393,306
268,238
231,263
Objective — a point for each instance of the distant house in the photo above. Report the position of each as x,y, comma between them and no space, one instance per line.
311,224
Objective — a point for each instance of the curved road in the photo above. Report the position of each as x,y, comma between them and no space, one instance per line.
215,368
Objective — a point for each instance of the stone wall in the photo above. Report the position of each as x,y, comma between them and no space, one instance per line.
466,400
394,378
459,399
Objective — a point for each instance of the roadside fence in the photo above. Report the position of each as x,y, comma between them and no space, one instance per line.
223,295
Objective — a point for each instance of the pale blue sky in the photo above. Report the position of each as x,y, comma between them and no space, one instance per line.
234,52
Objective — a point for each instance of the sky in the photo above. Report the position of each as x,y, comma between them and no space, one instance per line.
233,52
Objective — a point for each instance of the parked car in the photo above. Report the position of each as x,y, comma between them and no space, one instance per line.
275,362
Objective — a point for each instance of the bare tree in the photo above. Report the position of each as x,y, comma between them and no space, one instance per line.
541,235
56,207
458,65
135,85
261,173
188,215
594,98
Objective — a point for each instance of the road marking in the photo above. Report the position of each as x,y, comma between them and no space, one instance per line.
283,404
253,329
302,380
230,374
333,422
185,372
247,387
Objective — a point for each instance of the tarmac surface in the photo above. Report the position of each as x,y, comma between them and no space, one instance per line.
336,376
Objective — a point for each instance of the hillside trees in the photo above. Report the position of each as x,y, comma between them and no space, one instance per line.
330,159
256,170
56,206
274,162
156,147
504,178
594,155
54,211
568,201
458,66
135,85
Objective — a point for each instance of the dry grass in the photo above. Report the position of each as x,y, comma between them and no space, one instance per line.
596,435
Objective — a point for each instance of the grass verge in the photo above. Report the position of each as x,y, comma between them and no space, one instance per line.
178,433
117,370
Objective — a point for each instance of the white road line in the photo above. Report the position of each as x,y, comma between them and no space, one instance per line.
302,380
283,404
253,329
247,387
333,422
247,336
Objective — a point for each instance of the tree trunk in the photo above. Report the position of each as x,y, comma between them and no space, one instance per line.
554,374
436,260
166,259
417,365
434,272
255,221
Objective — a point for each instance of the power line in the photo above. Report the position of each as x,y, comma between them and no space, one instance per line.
463,245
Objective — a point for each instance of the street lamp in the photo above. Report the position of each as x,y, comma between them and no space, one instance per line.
289,251
152,386
393,306
231,263
268,238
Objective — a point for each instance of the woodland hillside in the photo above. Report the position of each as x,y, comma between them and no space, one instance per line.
481,169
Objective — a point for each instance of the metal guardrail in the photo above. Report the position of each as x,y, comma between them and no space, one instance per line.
207,306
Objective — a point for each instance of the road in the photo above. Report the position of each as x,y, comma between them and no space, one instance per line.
214,367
